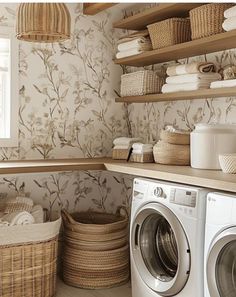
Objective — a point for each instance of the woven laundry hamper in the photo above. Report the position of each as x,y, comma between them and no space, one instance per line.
206,20
141,82
28,260
96,250
169,32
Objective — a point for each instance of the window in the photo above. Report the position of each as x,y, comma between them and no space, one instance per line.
8,88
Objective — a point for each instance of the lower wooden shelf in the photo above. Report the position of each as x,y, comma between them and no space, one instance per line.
180,174
187,95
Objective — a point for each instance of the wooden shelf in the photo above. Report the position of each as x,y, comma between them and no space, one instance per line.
34,166
94,8
155,14
218,42
181,174
188,95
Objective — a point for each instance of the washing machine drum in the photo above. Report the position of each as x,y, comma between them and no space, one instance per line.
221,265
160,249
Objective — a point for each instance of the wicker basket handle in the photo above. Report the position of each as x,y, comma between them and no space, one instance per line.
67,218
120,208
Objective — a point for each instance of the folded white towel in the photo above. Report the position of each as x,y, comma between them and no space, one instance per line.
141,43
125,141
141,146
230,12
195,67
144,151
169,88
223,84
128,53
38,214
229,24
193,77
18,218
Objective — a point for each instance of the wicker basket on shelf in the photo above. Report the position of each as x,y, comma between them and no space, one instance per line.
175,137
169,32
206,20
28,260
96,250
141,82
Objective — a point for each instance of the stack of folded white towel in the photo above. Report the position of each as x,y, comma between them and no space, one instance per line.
133,44
190,77
230,21
124,143
141,148
21,211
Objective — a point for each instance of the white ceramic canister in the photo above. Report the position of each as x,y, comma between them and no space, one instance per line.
207,141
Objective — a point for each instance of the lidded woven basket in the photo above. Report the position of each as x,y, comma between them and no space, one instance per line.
169,32
206,20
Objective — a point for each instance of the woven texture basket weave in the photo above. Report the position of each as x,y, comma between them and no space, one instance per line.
28,268
206,20
169,32
141,83
96,250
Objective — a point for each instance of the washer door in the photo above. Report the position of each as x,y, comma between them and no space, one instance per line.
221,265
160,249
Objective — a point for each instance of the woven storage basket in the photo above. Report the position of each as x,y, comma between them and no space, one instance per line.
28,260
169,32
174,137
120,154
206,20
171,154
142,158
96,250
141,83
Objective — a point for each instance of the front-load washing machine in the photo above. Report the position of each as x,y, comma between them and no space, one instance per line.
220,246
167,239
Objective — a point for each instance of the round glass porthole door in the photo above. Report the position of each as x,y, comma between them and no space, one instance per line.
158,243
221,265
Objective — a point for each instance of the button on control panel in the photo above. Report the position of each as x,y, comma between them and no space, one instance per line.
159,193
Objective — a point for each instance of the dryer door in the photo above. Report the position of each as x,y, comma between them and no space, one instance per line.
160,249
221,265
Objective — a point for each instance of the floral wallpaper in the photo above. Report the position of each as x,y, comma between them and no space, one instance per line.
67,109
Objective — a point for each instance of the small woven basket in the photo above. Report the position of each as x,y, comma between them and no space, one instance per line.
174,137
96,250
28,260
171,154
206,20
141,83
169,32
142,158
120,154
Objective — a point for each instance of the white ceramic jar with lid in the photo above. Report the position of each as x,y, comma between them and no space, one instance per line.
207,141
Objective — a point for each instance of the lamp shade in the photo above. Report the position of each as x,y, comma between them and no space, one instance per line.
43,22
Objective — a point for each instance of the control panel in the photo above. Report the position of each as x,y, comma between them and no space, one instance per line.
183,197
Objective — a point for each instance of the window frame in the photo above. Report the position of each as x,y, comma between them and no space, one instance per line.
12,141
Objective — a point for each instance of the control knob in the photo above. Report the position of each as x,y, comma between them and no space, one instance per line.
158,192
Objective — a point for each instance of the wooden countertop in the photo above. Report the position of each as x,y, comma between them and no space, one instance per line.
181,174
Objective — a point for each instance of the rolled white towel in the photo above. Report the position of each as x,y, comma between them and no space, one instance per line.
125,141
229,24
142,151
3,223
169,88
223,84
128,53
38,214
193,77
141,146
230,12
18,218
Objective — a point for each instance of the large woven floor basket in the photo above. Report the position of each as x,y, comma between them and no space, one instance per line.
96,250
206,20
28,260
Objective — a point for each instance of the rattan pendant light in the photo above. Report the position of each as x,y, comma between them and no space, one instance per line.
43,22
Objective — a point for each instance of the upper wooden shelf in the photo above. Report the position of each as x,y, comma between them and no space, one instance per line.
188,95
181,174
155,14
94,8
214,43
